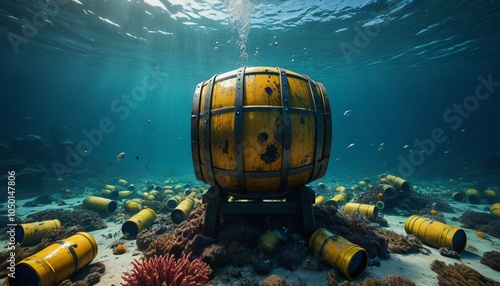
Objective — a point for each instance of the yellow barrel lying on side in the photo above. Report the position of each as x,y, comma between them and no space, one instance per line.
398,183
100,204
138,222
182,211
495,209
32,233
56,262
435,233
370,211
348,258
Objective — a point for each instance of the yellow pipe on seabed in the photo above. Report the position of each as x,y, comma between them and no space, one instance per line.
348,258
495,209
337,200
458,196
173,202
138,222
182,211
386,190
490,196
132,206
111,194
399,183
124,194
370,211
319,200
473,196
269,239
380,205
32,233
56,262
435,233
100,204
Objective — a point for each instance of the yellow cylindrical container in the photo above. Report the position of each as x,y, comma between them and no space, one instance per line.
110,187
370,211
435,233
380,205
131,187
124,194
260,131
173,202
132,206
348,258
458,196
340,189
123,182
340,198
138,222
181,212
473,196
57,262
490,196
386,190
111,194
100,204
398,183
319,200
269,239
495,209
32,233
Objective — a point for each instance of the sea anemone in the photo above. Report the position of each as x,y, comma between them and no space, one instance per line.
166,270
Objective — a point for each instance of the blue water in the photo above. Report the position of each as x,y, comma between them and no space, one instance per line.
400,66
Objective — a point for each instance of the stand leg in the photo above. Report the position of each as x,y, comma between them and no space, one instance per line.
307,201
210,225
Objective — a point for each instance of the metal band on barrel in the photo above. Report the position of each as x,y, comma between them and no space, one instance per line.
206,131
238,129
287,128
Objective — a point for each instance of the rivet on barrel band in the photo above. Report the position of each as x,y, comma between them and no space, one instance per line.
238,129
319,118
206,130
287,128
195,151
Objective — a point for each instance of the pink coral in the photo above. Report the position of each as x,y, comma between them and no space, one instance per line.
166,270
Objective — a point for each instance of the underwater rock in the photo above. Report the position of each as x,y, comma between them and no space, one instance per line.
274,280
493,228
292,253
446,251
492,259
262,265
239,231
332,277
198,244
214,255
146,236
87,220
29,147
475,220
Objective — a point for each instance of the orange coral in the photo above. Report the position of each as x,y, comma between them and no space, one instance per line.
120,249
166,270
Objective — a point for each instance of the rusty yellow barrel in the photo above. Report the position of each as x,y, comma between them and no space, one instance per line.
473,196
32,233
56,262
348,258
258,132
370,211
435,233
138,222
100,204
387,191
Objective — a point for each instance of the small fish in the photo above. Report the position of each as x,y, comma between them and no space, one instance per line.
137,157
463,130
149,120
347,112
350,145
406,146
337,159
120,156
382,144
380,149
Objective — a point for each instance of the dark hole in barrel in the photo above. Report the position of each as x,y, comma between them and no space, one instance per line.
268,90
270,155
262,137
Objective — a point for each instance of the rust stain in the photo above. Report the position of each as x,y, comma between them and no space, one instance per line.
271,154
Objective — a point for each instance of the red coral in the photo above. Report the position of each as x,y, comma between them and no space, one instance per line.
166,270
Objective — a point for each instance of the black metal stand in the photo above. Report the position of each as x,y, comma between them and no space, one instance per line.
299,201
